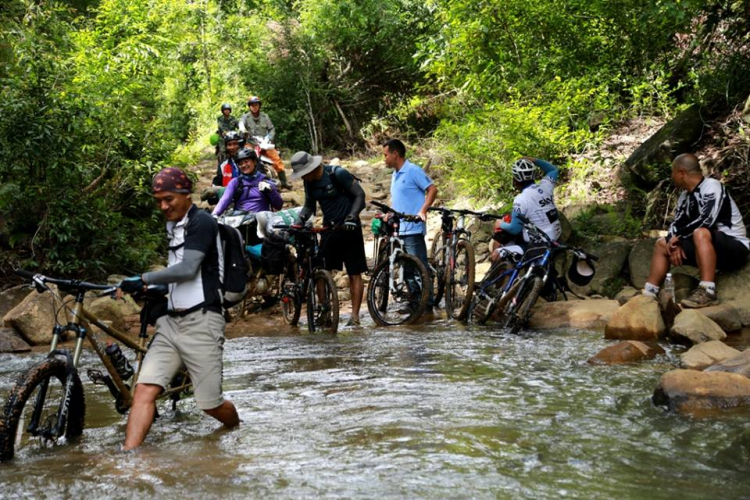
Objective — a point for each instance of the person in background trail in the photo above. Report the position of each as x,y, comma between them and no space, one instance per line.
412,193
251,191
225,122
228,170
341,199
707,232
192,332
254,124
536,202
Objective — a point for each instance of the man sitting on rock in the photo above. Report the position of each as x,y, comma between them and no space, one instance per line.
707,232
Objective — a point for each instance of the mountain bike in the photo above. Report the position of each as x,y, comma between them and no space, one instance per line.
453,259
47,402
305,281
532,275
400,284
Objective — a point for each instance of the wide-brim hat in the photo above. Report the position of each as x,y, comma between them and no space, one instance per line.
581,271
303,163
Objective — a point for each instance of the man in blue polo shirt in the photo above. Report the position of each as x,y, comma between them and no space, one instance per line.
412,192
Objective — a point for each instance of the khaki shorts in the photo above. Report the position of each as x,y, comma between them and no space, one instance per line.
195,340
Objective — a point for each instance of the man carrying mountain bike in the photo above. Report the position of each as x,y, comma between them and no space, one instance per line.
412,193
192,332
341,199
535,201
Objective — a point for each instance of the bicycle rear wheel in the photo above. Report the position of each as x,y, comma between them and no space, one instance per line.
41,388
403,302
520,309
322,303
484,301
290,294
437,260
460,281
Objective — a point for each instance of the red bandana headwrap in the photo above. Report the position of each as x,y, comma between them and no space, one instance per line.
171,179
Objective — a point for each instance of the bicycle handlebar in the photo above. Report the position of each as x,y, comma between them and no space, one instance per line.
386,208
532,228
40,279
305,229
481,215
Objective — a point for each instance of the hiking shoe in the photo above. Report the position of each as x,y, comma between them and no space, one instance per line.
353,321
700,298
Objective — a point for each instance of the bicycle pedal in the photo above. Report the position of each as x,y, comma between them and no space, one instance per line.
96,377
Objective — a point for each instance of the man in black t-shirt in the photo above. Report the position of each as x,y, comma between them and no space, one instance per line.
341,199
192,333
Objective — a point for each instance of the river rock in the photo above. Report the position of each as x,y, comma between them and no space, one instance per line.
613,256
33,319
626,294
639,319
693,326
725,315
114,311
11,297
11,342
701,356
639,261
584,314
739,364
652,158
342,281
688,391
733,289
629,351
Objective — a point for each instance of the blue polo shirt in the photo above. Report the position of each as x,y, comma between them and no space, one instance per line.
408,187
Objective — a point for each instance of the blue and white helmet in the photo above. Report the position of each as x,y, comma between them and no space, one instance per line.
523,170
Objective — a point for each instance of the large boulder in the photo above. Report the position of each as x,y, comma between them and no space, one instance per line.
639,261
114,311
691,391
629,351
639,319
701,356
585,314
33,319
739,364
734,289
725,315
693,327
10,342
11,297
627,293
649,163
613,256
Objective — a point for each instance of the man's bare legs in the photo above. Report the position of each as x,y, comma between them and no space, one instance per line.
659,262
705,254
141,414
225,413
357,287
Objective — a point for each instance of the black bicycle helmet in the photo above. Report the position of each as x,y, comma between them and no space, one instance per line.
254,99
246,153
232,136
226,106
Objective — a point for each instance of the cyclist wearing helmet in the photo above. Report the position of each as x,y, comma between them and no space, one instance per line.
251,191
535,201
254,123
228,170
225,122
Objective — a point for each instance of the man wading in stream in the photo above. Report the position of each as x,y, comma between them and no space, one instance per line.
192,332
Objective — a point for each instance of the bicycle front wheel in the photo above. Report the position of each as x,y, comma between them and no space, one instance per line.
322,303
290,295
437,259
460,281
398,295
484,300
31,415
520,308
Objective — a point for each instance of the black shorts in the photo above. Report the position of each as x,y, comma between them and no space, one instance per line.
730,253
344,248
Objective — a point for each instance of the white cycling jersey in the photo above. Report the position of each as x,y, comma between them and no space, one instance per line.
537,203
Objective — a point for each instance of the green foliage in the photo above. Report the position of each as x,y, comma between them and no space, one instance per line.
608,220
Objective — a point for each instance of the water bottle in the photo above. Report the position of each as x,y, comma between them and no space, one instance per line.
668,288
120,362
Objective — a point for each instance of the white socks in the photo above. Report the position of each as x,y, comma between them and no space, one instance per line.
650,290
708,286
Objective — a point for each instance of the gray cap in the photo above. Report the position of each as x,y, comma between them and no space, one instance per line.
303,163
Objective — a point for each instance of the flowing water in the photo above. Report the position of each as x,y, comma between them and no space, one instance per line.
432,411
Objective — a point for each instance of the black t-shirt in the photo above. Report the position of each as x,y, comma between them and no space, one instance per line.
335,203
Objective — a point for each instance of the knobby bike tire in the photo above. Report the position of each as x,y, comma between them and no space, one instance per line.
462,274
484,301
437,260
412,293
290,295
322,315
20,396
526,297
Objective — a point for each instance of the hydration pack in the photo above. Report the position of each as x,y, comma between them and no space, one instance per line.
232,266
